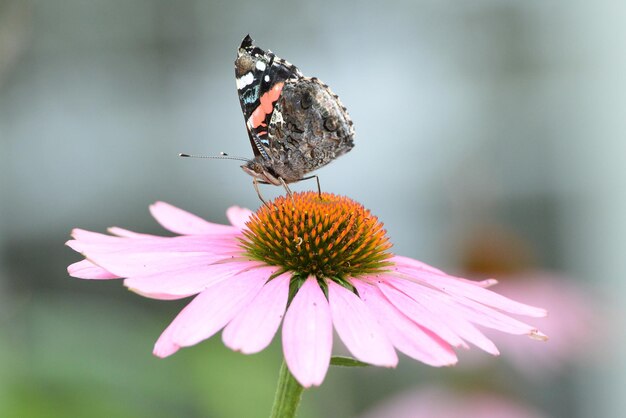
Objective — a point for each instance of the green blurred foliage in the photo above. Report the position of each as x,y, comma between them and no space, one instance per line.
78,357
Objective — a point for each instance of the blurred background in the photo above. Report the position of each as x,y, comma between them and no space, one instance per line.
490,141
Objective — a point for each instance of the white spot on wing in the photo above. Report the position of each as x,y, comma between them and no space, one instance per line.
277,117
244,80
267,78
260,65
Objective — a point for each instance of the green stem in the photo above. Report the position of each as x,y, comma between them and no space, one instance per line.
288,395
347,362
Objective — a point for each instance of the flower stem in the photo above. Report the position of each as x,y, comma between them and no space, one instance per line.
288,395
346,362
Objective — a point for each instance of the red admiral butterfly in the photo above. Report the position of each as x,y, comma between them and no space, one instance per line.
296,124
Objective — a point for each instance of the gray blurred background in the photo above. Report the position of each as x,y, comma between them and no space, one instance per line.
467,114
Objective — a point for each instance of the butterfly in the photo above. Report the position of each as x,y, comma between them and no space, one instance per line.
295,124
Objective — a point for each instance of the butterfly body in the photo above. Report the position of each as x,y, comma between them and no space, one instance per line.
295,124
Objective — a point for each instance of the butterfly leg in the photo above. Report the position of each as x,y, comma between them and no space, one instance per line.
256,182
317,179
258,192
286,188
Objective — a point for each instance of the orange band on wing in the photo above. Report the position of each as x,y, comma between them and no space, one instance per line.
267,105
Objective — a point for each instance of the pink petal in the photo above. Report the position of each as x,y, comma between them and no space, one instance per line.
421,315
490,318
437,306
143,256
238,216
415,264
188,280
254,326
358,328
121,232
111,244
410,262
406,335
85,269
308,335
483,283
145,264
465,288
83,237
181,222
165,345
210,311
92,237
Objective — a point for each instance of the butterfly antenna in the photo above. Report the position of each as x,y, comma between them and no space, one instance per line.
222,156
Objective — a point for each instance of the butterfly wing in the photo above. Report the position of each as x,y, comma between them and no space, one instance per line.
260,77
310,127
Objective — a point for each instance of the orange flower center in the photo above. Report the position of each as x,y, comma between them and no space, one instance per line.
329,237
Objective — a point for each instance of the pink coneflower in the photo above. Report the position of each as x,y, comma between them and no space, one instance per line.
322,263
493,250
446,403
574,329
